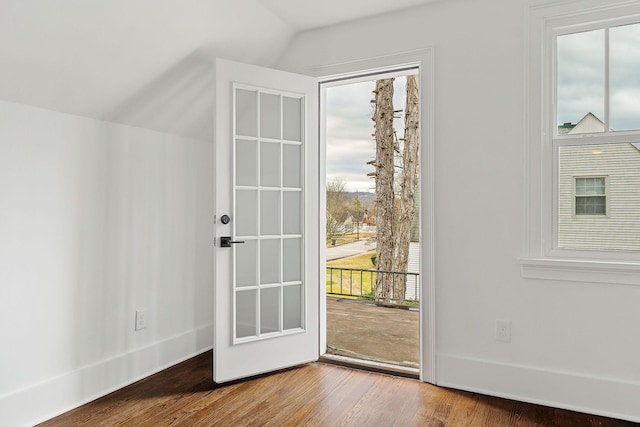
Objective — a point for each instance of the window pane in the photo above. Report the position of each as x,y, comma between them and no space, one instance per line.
591,205
292,260
624,45
246,259
270,213
269,164
246,162
292,120
246,314
292,212
293,302
270,310
599,197
589,186
246,206
246,112
580,81
291,165
269,261
269,116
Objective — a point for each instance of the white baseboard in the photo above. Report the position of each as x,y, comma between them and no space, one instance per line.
607,397
55,396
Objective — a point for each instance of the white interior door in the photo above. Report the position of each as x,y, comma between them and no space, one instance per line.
266,291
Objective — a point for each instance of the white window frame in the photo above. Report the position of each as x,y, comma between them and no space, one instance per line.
542,258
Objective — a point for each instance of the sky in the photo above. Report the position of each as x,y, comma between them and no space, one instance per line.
350,141
581,71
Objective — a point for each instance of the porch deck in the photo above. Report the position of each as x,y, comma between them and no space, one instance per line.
373,333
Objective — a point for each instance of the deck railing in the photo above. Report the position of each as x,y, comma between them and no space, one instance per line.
359,283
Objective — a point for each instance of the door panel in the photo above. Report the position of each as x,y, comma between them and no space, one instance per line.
267,282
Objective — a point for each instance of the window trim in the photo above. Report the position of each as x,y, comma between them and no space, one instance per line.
542,259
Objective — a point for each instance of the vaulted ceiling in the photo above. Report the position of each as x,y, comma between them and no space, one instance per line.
147,62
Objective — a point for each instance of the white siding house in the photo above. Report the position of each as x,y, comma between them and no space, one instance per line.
617,226
413,281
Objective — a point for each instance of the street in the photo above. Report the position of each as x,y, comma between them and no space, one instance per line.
350,249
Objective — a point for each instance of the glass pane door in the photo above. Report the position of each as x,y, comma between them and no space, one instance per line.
268,204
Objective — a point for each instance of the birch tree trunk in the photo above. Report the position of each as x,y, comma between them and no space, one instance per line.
383,118
336,202
408,185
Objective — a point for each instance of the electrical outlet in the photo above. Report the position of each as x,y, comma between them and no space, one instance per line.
141,319
503,330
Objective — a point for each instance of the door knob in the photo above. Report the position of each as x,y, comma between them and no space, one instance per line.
225,219
225,242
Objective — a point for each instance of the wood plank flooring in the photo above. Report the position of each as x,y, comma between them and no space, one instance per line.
315,394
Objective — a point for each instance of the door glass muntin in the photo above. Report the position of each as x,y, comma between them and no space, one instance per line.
268,204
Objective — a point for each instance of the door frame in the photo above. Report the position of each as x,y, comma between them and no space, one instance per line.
423,60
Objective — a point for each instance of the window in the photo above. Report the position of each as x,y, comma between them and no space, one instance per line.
595,88
584,140
590,196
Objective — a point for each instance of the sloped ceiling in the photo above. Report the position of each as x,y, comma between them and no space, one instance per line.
304,15
147,63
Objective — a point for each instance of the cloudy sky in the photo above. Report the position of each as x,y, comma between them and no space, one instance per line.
350,142
581,71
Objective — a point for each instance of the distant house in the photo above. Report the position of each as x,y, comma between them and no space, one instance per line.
349,224
599,192
412,291
339,223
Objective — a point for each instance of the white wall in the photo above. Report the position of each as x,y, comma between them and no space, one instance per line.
574,345
96,221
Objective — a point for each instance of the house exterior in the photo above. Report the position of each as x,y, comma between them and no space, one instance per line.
614,171
412,291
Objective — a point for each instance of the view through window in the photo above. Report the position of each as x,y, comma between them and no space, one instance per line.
597,139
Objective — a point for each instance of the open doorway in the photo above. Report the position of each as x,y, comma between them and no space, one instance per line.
373,220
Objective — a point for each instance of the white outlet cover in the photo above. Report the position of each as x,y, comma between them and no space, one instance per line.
503,330
141,319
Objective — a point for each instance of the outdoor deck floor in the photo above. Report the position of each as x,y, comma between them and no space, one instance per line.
369,332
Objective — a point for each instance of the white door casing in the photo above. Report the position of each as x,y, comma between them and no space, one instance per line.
266,289
423,59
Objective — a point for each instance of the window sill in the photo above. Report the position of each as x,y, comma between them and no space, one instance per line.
589,271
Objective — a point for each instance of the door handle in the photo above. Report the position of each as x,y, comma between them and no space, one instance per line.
225,242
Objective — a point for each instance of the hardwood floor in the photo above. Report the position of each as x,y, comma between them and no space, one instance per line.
315,394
